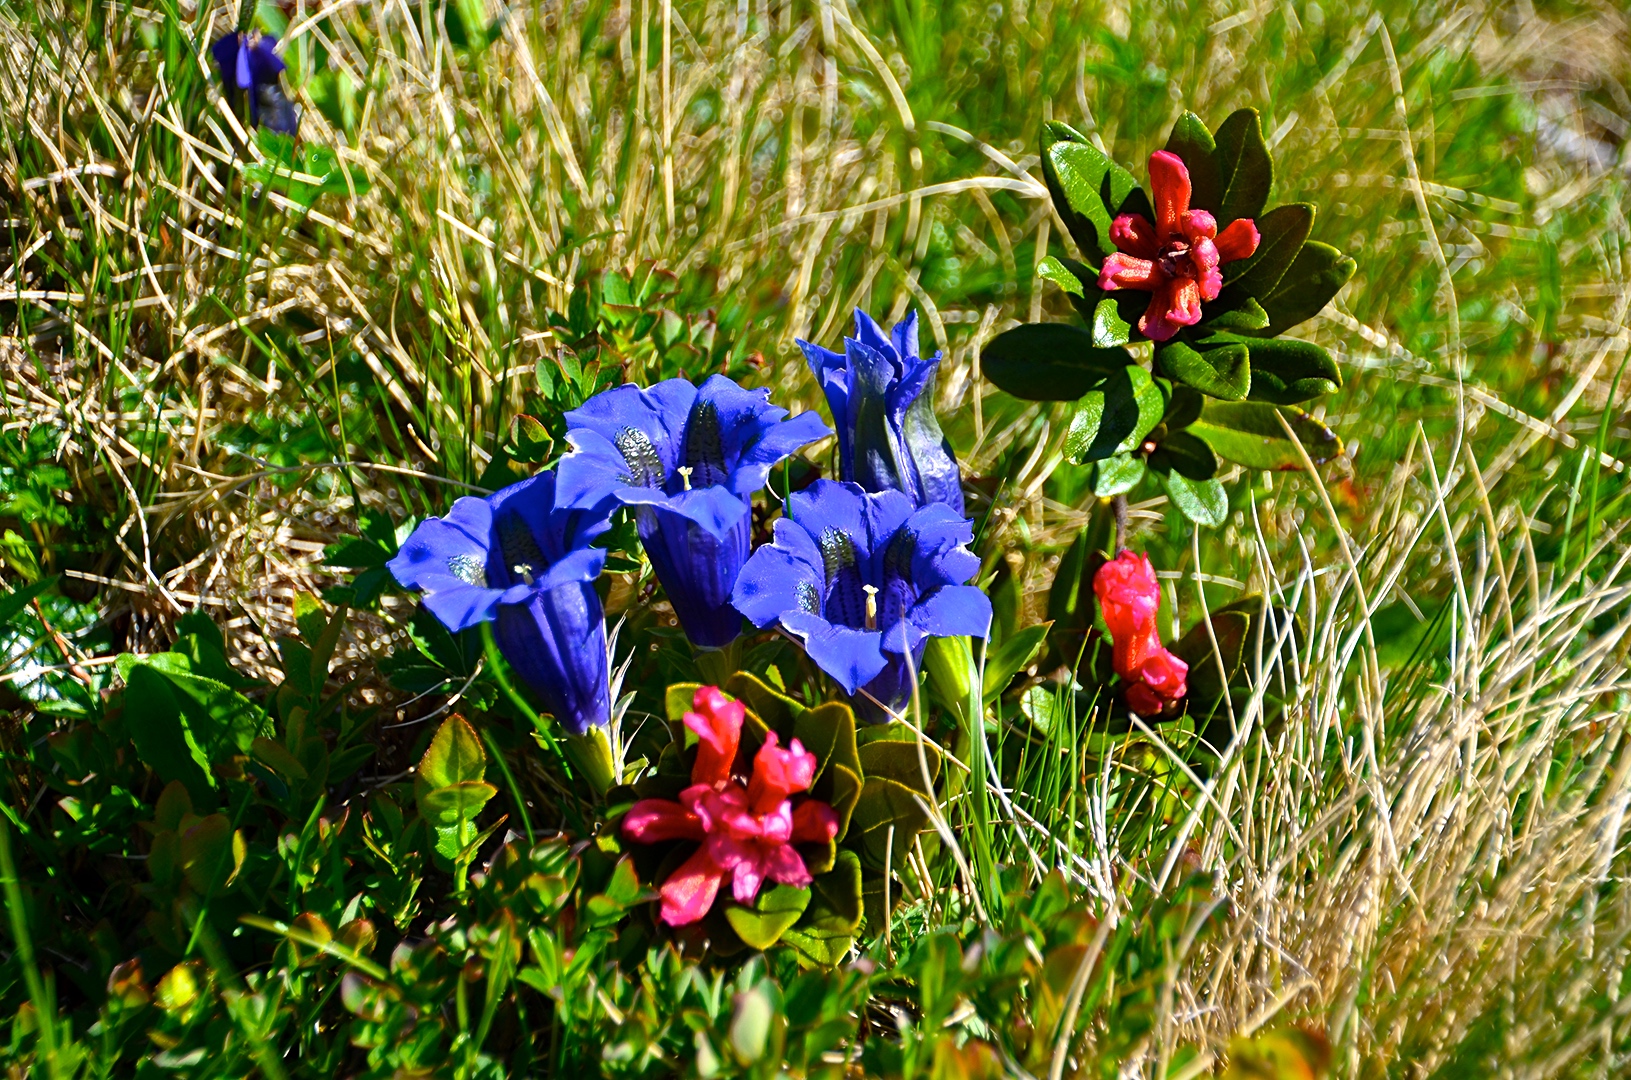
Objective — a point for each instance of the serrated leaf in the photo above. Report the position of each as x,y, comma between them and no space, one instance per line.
1114,416
1185,454
1244,168
1249,433
1316,275
1221,370
1088,189
774,910
1117,475
1048,361
1195,146
1204,502
1282,232
454,756
449,806
1009,658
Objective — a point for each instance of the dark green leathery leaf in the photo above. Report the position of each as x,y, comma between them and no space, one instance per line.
1115,416
1048,361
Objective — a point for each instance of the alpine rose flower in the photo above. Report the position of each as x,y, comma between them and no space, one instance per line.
1129,599
747,832
1176,259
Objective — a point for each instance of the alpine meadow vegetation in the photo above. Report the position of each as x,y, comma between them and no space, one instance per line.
643,538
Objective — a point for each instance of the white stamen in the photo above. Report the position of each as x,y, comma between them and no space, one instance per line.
524,571
685,476
871,606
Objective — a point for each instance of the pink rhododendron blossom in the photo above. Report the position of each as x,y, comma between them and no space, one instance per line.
1129,599
1177,258
746,832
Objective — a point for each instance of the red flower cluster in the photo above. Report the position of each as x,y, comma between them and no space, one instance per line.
1129,599
1176,259
746,832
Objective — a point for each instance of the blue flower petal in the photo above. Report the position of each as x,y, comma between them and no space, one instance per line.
556,643
785,575
584,564
714,508
780,441
852,657
697,569
904,337
953,611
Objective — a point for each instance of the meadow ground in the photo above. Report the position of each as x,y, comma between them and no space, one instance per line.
208,383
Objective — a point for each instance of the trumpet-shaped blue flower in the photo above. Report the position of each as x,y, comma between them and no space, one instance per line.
865,580
888,436
686,459
250,66
523,562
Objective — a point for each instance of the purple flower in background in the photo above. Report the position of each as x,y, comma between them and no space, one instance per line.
521,561
880,392
686,459
865,580
250,66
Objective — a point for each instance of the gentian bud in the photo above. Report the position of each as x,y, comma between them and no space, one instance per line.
881,393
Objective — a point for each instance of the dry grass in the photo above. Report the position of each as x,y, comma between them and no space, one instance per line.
1425,856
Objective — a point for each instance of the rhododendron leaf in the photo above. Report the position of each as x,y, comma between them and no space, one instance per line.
1115,316
775,909
1183,406
1247,315
455,755
1245,172
828,732
1205,680
775,709
1316,275
1007,659
1282,233
1204,502
892,750
1183,453
1194,144
1221,369
839,787
678,700
1048,361
886,804
1058,272
1088,189
826,931
1117,475
1249,433
1114,416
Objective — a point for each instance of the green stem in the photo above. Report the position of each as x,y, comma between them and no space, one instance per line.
40,993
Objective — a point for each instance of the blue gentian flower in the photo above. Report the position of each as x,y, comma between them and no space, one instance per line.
880,392
865,579
522,561
250,66
687,459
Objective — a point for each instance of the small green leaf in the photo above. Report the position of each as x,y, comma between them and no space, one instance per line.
13,603
894,751
1286,371
1249,433
1248,315
884,804
1114,416
1244,169
1052,269
828,732
1281,235
455,755
678,698
1117,475
1201,501
1316,275
1009,658
461,802
1220,370
773,912
1048,361
778,711
1183,453
1088,189
1114,315
1194,144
